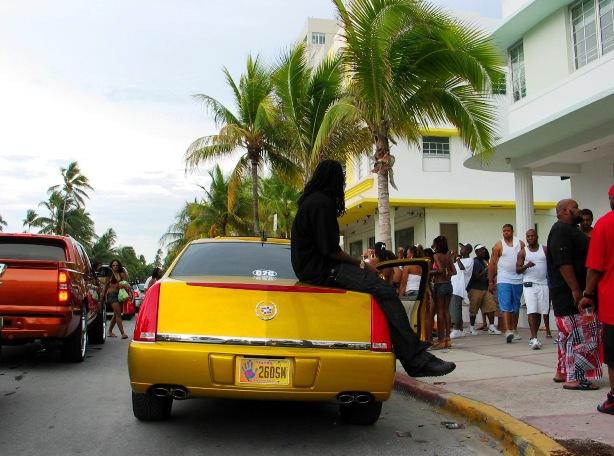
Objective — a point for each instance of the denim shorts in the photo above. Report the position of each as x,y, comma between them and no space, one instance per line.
443,289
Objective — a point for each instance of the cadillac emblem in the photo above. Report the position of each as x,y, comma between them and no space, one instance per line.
266,310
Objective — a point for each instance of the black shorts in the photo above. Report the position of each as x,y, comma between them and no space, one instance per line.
608,344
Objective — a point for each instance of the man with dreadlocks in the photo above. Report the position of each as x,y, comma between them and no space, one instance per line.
318,259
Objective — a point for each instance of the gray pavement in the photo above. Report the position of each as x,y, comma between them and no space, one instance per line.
496,382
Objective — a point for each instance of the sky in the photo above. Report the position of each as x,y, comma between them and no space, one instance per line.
110,84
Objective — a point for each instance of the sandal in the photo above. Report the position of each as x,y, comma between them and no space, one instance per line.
124,336
584,385
439,345
111,335
448,342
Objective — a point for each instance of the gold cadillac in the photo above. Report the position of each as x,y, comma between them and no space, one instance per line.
230,320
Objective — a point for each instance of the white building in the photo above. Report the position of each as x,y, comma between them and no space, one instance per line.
560,113
437,193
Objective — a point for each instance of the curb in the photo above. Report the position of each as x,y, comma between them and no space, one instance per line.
514,436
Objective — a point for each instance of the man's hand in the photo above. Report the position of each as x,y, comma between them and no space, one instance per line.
584,303
577,296
530,264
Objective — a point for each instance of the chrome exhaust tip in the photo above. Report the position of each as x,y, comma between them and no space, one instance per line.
363,399
179,393
345,398
160,391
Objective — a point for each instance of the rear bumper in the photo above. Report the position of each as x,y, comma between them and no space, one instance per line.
210,371
37,327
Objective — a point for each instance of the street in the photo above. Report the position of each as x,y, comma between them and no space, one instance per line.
53,408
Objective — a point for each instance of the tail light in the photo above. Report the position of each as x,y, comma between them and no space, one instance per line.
146,327
135,294
380,333
63,290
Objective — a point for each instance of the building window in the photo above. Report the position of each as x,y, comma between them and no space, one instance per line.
592,28
436,146
356,249
519,87
404,237
359,166
318,38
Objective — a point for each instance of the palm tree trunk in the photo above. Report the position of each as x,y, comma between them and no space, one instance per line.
382,154
255,197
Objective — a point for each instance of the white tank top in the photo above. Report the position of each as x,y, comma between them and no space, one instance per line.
506,267
413,282
536,274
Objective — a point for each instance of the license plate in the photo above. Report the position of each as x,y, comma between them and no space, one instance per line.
261,371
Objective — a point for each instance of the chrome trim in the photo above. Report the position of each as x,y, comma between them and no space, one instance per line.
261,342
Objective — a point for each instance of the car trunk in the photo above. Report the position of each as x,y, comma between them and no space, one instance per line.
205,306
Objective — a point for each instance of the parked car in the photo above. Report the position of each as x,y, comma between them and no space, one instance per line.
229,319
48,292
128,306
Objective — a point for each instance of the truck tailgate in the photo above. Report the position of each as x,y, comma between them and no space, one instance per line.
28,284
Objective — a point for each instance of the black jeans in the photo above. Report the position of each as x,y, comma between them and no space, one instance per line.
406,343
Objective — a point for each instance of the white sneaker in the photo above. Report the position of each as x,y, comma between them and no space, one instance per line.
517,336
455,333
535,344
509,336
493,330
473,331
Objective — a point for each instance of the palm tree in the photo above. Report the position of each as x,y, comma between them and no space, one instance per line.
74,187
410,66
51,224
279,197
317,123
102,250
31,217
218,211
2,223
251,130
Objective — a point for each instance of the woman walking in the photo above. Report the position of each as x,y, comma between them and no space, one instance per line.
111,292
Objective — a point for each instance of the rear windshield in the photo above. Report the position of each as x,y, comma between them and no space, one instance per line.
243,259
15,250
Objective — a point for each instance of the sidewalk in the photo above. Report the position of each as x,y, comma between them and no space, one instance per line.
507,389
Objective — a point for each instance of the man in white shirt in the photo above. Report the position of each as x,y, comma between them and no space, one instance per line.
509,283
533,266
464,266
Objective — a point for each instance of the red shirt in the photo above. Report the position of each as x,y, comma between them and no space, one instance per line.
601,258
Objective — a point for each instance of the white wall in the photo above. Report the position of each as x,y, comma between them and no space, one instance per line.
459,183
548,39
509,7
590,188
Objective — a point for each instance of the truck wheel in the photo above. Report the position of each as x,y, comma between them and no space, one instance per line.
97,333
360,413
148,407
74,346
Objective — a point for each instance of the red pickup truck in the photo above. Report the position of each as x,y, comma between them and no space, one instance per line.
47,293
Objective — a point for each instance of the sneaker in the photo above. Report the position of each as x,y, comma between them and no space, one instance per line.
435,368
473,331
608,405
535,344
517,336
509,336
456,333
493,330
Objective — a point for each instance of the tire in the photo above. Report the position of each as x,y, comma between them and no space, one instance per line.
147,407
97,333
363,414
74,346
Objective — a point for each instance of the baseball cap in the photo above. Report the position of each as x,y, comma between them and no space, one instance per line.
467,246
479,246
611,192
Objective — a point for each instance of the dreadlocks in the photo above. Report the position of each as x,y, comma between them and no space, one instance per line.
328,178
